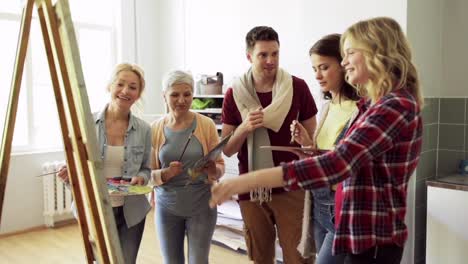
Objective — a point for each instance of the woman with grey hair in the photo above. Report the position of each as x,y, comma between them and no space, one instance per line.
179,139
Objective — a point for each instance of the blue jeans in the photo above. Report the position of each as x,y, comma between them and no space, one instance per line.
130,237
171,231
324,229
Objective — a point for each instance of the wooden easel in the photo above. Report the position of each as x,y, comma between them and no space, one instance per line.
96,221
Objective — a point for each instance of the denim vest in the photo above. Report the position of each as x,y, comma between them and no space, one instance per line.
137,151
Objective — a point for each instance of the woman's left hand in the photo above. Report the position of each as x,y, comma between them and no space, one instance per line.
211,170
137,180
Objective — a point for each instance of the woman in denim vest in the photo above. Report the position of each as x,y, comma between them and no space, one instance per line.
125,146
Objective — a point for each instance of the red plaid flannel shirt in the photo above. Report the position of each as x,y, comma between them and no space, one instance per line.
375,160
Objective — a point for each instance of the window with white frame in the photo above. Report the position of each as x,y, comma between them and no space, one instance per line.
96,25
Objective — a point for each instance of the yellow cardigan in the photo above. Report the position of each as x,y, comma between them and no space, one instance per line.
205,132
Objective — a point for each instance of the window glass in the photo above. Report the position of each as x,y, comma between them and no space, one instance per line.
9,30
37,124
45,127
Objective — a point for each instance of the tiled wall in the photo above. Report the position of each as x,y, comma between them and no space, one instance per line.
453,135
445,142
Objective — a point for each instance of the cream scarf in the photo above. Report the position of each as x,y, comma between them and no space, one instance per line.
246,99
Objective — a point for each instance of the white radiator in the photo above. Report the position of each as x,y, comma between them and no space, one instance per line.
57,197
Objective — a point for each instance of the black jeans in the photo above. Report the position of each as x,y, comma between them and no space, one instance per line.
383,254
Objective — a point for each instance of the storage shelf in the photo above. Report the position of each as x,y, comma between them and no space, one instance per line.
213,111
208,96
208,111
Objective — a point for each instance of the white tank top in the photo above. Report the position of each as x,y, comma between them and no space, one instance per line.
113,162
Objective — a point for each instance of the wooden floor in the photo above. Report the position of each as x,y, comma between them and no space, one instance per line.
63,245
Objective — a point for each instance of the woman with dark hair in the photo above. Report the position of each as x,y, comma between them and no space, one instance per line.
339,108
328,48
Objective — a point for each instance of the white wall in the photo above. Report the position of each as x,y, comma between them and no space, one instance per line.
438,33
160,28
216,33
23,202
326,17
215,30
454,51
147,47
425,29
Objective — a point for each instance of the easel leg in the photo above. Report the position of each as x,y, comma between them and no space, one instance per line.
57,22
72,172
8,129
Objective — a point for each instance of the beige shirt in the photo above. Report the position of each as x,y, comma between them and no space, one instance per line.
113,168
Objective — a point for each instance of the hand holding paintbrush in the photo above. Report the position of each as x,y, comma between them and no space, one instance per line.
299,134
175,167
293,128
186,145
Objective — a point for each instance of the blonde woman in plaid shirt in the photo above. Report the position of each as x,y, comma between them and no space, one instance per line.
377,156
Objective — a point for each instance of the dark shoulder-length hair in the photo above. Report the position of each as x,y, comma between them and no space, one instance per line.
329,46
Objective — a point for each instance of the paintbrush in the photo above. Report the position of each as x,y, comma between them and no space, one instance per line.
294,132
47,173
186,145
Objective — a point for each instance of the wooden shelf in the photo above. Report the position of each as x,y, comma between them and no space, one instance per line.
209,96
208,111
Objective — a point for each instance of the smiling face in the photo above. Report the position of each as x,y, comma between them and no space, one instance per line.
354,63
125,90
179,98
328,73
264,57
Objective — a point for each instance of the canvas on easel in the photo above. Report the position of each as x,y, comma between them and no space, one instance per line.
95,215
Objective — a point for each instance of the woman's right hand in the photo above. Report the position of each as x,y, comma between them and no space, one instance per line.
170,172
63,174
299,133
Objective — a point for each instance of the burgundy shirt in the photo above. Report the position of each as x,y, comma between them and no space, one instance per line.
302,102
